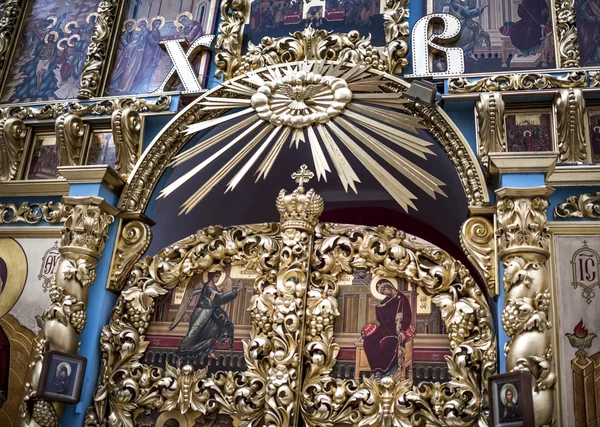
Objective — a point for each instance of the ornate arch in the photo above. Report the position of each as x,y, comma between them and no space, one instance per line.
174,137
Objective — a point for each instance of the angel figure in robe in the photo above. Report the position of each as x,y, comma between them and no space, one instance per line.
209,323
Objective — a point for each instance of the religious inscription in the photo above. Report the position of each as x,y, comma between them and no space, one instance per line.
586,270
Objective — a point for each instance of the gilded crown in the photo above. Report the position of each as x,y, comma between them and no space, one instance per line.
300,209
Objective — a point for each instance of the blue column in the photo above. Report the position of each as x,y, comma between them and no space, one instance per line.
100,304
512,180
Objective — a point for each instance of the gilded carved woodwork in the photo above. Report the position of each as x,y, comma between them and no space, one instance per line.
33,213
523,241
491,129
586,206
70,132
566,34
517,81
13,134
385,251
242,394
83,240
569,111
478,242
594,78
133,239
94,108
96,64
126,129
311,44
13,11
206,111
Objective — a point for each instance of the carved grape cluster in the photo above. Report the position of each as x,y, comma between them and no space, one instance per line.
56,292
317,324
78,319
459,331
139,319
44,414
510,318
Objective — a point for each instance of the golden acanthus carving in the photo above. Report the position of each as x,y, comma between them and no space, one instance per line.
523,243
594,78
586,206
12,143
517,81
386,251
568,44
70,131
83,239
96,63
491,129
478,242
569,110
33,213
12,15
310,44
126,128
125,383
134,239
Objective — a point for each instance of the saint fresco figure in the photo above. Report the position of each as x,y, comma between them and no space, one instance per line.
472,35
528,34
384,344
151,55
588,28
209,323
189,29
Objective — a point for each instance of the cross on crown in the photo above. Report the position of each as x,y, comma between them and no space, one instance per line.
303,175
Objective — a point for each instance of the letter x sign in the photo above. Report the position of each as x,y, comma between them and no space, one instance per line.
181,62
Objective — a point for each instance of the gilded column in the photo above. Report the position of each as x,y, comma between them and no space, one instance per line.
300,213
523,243
83,239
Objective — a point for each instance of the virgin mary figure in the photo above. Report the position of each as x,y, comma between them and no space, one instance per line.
209,323
384,344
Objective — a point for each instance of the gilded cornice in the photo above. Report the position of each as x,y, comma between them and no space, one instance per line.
574,175
586,206
517,81
93,174
523,162
100,107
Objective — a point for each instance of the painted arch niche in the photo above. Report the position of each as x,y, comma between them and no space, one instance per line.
394,267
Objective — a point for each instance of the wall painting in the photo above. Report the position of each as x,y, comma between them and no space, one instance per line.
594,129
500,35
44,157
528,131
51,51
388,328
277,18
141,64
102,149
578,282
588,31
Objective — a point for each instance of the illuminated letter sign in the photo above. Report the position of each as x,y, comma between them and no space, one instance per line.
181,62
425,42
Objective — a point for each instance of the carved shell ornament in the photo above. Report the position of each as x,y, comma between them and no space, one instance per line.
324,104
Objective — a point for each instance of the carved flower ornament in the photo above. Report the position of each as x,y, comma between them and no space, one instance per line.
323,105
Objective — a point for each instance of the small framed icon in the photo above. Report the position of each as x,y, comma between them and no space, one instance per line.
102,150
511,399
62,377
44,157
529,131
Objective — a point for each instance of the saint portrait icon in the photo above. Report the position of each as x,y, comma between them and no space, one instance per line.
62,377
511,399
511,409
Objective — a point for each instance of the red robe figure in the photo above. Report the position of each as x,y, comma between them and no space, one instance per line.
384,343
527,34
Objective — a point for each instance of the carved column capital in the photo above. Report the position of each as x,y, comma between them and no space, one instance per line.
84,237
522,222
524,247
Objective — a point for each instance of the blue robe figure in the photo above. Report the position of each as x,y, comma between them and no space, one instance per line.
471,34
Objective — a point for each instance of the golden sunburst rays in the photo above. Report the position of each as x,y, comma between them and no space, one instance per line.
325,106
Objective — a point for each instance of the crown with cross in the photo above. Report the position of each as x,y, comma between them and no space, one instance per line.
300,209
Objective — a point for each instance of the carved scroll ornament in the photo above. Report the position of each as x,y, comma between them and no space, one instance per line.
126,127
386,251
569,110
13,10
70,131
491,129
517,81
568,44
477,240
33,213
585,206
12,143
